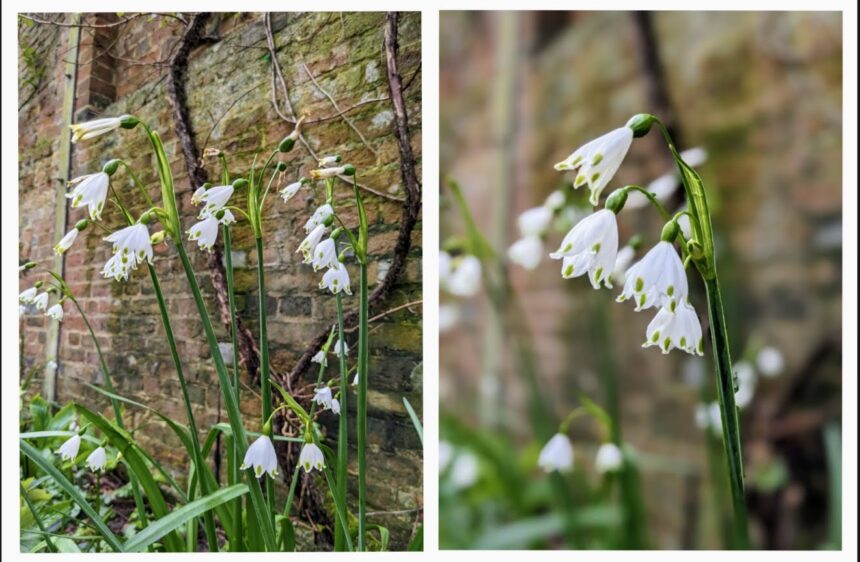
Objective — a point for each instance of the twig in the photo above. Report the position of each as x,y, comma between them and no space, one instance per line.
388,312
224,114
123,21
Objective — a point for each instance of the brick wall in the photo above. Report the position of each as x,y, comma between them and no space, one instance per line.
121,71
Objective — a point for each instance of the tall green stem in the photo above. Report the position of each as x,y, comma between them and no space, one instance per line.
361,422
196,455
265,389
343,430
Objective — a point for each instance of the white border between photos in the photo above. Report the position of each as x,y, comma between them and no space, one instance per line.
430,239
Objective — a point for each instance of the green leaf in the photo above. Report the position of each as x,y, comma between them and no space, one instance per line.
523,534
33,454
476,244
384,537
415,421
175,519
291,402
417,542
288,533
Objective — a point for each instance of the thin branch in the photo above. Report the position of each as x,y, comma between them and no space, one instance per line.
388,312
224,114
117,23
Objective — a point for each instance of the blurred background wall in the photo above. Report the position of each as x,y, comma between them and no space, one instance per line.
762,94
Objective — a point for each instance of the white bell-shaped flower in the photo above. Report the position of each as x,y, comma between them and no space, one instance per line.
131,246
97,460
90,191
66,242
325,173
534,221
355,379
22,310
770,361
608,459
311,458
68,451
27,296
320,358
261,457
338,345
204,232
526,252
709,417
658,279
336,279
306,247
55,312
465,277
325,255
598,161
746,381
590,247
449,315
555,200
290,191
335,406
328,161
557,454
676,327
320,216
94,128
213,199
41,301
323,397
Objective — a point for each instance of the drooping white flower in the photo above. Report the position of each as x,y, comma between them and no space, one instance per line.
335,406
464,470
622,263
94,128
320,216
355,379
320,358
465,277
340,344
328,161
598,160
311,458
27,296
557,454
227,217
590,247
534,221
52,365
196,196
746,379
678,328
41,301
90,191
204,232
709,417
609,458
69,449
770,361
526,252
658,279
555,200
290,191
22,310
131,246
325,254
336,279
261,457
55,312
97,460
306,247
213,199
325,173
66,241
449,315
323,397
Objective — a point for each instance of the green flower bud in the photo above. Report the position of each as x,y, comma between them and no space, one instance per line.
670,231
29,265
695,250
348,170
206,185
81,225
267,428
128,121
111,166
146,218
158,237
239,183
287,144
641,124
282,166
616,200
38,284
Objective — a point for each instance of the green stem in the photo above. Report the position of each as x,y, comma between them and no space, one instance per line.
265,388
236,545
196,455
343,430
664,214
361,423
138,183
24,494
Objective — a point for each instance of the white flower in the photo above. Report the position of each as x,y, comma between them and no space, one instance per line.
685,226
27,296
557,454
746,379
608,459
590,247
94,128
131,246
325,255
598,160
770,361
709,416
196,196
325,173
336,279
355,379
658,279
335,406
213,199
449,315
69,450
319,217
310,242
290,191
678,328
328,161
555,201
205,232
66,242
41,301
97,460
694,156
337,347
227,217
90,191
622,262
444,268
526,252
261,456
52,365
464,470
662,188
22,310
534,221
322,396
311,458
465,277
320,358
55,312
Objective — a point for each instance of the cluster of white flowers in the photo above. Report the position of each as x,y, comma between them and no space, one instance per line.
214,201
533,224
324,398
95,461
461,275
40,302
131,247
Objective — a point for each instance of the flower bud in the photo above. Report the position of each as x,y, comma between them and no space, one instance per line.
38,284
111,166
287,144
349,170
616,200
641,124
282,166
146,218
695,250
157,238
670,231
128,121
29,265
206,185
81,225
239,183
